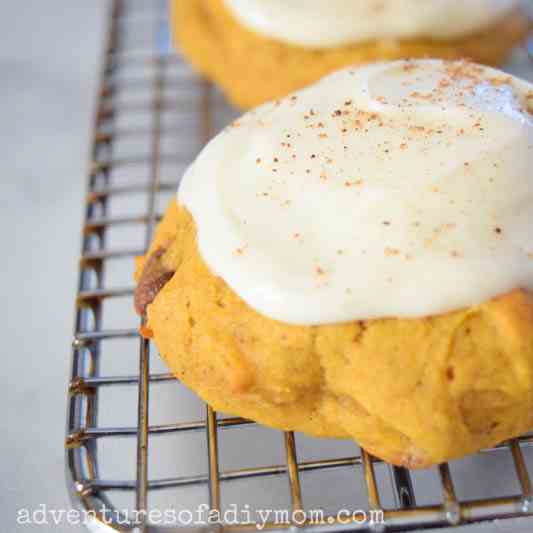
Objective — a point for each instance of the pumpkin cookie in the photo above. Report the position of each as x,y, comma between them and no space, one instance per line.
259,50
355,261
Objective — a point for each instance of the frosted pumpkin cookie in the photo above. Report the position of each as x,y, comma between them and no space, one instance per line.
260,50
356,260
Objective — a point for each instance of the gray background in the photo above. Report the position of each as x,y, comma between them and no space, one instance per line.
49,58
49,62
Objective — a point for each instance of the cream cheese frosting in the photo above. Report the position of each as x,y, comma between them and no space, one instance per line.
399,189
322,24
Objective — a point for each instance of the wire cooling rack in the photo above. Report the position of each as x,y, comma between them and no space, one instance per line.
125,459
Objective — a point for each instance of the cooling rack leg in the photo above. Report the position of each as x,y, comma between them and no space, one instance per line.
523,475
451,505
403,487
141,499
212,451
292,469
374,502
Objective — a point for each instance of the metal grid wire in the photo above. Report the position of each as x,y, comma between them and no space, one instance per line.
138,37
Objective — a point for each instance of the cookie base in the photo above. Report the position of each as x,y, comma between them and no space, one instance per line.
414,392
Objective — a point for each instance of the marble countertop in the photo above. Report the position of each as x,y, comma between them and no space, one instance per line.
49,60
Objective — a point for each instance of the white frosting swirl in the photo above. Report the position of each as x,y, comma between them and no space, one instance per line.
396,189
322,24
